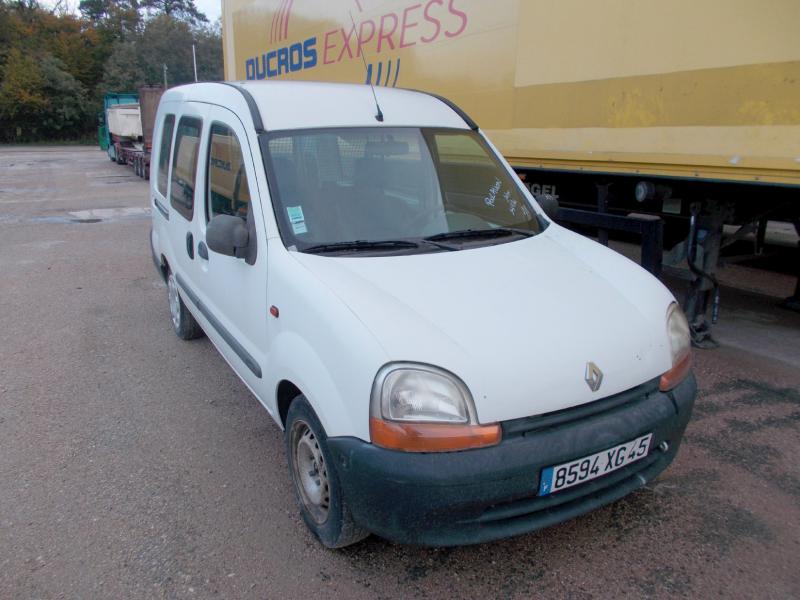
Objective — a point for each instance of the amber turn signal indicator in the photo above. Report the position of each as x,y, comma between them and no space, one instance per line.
676,374
432,437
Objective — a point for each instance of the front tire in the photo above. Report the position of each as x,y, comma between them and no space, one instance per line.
316,482
183,323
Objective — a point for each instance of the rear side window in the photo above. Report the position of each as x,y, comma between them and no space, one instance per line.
228,189
163,153
184,165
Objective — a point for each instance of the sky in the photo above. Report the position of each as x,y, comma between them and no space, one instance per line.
211,8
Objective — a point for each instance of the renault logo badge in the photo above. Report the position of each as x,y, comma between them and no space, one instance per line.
594,376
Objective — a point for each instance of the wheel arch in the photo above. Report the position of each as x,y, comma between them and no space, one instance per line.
299,368
163,267
285,394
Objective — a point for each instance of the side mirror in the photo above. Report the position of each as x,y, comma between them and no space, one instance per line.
549,205
228,235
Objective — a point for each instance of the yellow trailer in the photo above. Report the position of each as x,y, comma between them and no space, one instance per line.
703,89
685,109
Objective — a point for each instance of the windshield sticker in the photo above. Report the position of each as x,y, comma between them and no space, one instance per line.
492,197
297,219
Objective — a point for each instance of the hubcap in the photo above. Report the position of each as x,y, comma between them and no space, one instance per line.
310,471
174,301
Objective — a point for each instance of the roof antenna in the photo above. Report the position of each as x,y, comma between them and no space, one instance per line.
379,116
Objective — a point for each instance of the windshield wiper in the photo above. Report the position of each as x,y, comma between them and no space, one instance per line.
361,245
475,234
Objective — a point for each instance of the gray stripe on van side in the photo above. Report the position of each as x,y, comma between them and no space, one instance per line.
243,354
161,208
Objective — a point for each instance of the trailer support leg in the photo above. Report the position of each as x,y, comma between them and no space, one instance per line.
602,208
705,241
761,233
793,301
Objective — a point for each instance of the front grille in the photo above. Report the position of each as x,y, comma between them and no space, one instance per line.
526,425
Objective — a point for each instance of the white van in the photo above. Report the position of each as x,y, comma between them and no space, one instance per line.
448,364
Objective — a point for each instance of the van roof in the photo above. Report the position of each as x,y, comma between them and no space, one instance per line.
285,105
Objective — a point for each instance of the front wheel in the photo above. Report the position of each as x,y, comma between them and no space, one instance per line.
183,322
316,483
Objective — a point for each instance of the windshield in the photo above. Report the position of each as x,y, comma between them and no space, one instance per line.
407,188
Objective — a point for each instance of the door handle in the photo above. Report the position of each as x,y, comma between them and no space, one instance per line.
190,245
202,250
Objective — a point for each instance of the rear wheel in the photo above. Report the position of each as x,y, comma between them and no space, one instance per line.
316,482
183,322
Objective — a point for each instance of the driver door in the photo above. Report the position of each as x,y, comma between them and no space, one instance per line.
234,289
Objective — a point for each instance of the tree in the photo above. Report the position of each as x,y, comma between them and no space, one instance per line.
22,96
179,9
164,40
123,71
208,42
55,66
38,98
113,19
67,109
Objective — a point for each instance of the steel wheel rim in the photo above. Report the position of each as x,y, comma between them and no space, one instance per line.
310,472
174,301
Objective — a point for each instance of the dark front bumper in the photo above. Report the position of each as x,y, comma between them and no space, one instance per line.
480,495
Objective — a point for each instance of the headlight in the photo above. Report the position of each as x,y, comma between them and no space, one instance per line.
419,408
680,348
423,395
678,332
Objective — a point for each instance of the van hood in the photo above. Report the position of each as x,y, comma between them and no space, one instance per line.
517,322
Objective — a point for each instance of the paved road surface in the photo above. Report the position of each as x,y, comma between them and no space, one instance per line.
135,465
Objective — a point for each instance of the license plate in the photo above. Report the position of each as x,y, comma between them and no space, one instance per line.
593,466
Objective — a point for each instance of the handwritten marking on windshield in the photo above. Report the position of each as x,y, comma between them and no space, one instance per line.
493,191
512,203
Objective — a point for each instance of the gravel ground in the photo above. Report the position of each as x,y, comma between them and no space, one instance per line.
135,465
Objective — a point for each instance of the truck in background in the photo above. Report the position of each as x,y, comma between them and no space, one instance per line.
111,100
667,119
128,124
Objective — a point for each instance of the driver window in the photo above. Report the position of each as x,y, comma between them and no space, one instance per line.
228,190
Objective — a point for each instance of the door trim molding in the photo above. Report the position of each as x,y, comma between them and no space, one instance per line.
226,335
